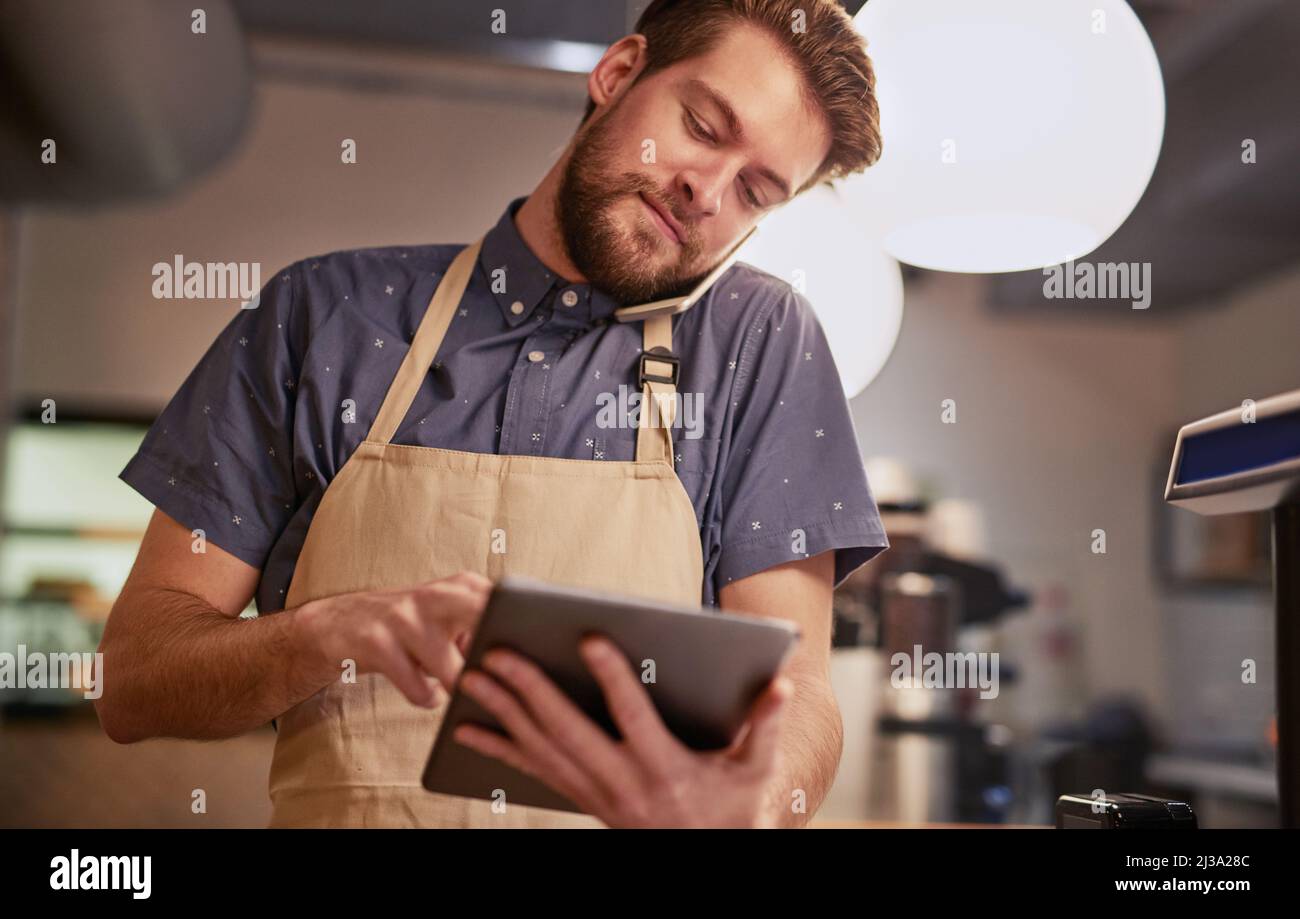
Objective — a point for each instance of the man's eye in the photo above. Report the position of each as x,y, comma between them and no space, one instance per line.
749,195
696,128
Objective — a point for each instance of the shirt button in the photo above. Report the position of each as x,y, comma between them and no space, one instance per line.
516,307
569,298
535,356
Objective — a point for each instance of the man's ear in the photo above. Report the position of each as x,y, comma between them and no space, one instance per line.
617,69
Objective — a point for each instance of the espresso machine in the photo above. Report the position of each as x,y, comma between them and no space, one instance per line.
1248,459
916,754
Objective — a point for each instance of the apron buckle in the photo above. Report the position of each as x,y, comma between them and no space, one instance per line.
664,357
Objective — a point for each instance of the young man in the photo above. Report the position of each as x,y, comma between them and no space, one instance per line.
391,430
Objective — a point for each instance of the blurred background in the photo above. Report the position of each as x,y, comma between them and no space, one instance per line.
1121,671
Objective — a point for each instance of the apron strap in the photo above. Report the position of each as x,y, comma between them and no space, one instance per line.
658,371
424,347
658,367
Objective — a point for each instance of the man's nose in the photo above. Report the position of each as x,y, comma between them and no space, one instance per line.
701,192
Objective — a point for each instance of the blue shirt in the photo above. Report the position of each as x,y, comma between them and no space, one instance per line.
530,364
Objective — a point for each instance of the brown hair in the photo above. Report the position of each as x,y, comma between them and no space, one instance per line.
827,50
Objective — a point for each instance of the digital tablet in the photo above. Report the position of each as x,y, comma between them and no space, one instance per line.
708,669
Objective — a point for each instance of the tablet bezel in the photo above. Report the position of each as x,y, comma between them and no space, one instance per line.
742,653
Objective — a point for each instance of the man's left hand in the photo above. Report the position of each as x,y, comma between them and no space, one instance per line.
646,779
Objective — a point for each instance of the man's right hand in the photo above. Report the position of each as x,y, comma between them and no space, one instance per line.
179,661
414,636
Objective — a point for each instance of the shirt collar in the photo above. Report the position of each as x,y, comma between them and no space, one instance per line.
520,281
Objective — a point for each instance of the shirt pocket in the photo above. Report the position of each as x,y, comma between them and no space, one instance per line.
694,460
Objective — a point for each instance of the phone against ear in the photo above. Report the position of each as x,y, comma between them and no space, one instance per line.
674,305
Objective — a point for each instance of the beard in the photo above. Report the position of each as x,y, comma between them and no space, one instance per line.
625,262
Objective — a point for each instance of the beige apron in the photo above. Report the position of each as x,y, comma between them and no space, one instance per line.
395,516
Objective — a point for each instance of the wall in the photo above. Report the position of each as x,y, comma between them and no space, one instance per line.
436,163
1053,439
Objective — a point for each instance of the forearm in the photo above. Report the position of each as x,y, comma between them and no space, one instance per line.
811,743
186,670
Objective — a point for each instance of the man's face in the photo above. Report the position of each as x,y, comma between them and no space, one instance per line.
661,187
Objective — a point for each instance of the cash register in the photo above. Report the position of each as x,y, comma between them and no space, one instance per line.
1244,459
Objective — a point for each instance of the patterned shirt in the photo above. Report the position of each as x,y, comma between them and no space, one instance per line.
531,364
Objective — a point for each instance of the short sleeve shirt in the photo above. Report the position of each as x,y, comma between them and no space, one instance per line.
531,364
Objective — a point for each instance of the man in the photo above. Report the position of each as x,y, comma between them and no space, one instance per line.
477,372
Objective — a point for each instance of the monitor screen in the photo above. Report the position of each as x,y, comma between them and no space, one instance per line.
1239,448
